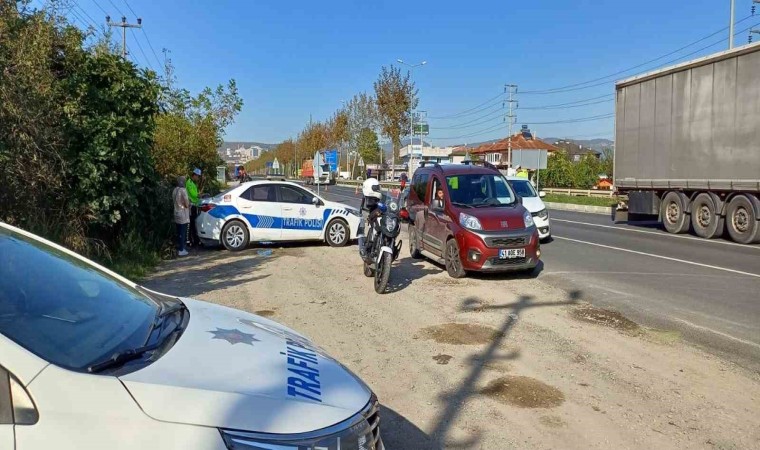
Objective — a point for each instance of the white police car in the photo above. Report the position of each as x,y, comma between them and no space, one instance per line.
263,211
89,360
531,200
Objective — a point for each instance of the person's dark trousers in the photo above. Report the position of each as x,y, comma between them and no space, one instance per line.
181,236
194,240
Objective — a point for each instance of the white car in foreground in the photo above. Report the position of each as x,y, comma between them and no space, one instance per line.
89,360
531,200
264,211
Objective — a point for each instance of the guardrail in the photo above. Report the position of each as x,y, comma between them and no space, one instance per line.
580,192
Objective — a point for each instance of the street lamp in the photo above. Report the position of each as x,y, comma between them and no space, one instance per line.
411,117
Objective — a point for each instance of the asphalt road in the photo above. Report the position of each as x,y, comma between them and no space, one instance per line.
707,292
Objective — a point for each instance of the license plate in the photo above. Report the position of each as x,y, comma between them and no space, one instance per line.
511,253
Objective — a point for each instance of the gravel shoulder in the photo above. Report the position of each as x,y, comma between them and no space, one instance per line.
489,362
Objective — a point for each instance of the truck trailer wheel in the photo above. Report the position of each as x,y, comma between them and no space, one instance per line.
673,213
705,217
741,220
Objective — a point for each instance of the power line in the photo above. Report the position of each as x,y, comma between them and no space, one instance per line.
151,47
141,50
494,128
466,111
117,8
559,105
100,7
569,87
569,106
130,8
472,122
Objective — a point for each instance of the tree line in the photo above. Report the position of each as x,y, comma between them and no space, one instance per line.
354,129
91,144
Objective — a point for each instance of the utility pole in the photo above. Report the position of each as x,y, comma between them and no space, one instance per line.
731,25
124,25
753,30
511,118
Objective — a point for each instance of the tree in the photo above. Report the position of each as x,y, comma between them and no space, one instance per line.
606,165
368,146
395,97
559,171
586,172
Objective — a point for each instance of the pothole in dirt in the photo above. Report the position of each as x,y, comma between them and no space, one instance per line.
604,317
460,333
442,359
264,313
524,392
552,421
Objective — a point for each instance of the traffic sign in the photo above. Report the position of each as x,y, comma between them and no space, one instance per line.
275,164
361,162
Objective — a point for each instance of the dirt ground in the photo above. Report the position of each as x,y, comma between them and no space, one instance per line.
489,362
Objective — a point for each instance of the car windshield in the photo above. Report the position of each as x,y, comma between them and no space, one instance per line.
479,190
523,188
65,310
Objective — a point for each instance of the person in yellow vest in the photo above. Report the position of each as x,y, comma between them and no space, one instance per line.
193,195
522,173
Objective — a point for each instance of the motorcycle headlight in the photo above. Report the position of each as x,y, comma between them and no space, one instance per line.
528,220
469,222
360,432
390,224
393,206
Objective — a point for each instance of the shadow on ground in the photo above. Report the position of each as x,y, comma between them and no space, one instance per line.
400,434
454,400
407,270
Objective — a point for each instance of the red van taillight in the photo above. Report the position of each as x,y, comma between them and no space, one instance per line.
206,207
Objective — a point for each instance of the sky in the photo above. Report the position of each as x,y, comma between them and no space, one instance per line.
299,59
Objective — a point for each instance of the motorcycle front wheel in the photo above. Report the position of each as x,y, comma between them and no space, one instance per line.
383,272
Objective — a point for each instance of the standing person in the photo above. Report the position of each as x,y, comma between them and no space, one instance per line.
522,173
181,214
192,194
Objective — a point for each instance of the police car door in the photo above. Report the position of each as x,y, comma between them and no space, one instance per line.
301,219
262,212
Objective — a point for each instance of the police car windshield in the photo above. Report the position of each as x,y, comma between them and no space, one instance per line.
523,188
479,190
64,310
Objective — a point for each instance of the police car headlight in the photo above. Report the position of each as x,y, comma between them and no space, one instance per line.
354,212
543,214
359,432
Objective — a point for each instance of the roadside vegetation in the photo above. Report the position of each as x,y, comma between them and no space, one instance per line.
90,144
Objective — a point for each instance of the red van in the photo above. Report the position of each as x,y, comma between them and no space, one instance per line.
467,217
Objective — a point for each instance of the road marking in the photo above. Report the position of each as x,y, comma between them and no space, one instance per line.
605,272
728,336
668,258
756,247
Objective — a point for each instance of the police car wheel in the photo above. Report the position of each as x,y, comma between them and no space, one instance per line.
337,233
235,236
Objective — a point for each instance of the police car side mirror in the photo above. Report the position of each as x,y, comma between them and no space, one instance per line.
315,201
541,194
519,200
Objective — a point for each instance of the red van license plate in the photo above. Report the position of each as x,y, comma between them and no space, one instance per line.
511,253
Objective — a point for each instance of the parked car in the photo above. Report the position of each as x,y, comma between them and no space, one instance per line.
90,360
467,217
531,200
265,211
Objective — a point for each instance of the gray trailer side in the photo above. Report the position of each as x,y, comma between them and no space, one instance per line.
687,144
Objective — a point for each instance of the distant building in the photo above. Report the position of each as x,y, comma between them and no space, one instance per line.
576,151
240,152
416,153
497,153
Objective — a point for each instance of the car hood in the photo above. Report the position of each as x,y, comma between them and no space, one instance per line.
491,219
533,204
235,370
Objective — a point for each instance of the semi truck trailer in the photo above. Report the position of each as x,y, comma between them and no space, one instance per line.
687,145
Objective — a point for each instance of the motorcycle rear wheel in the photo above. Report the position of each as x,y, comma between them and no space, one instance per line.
383,272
